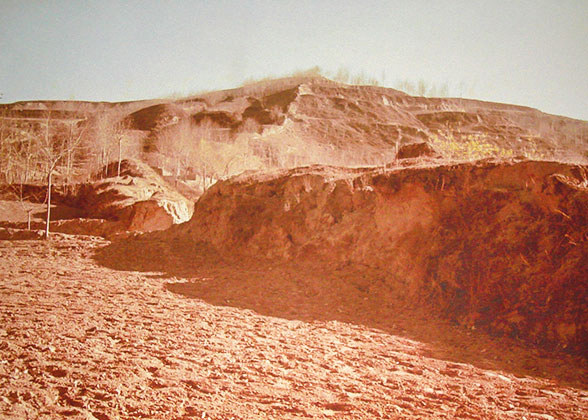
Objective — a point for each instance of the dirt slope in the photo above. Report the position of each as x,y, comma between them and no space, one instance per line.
139,200
491,245
364,123
373,290
83,341
324,122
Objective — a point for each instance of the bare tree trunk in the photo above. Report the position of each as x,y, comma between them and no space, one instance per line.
9,175
69,153
48,204
50,166
102,163
204,179
119,155
27,161
68,168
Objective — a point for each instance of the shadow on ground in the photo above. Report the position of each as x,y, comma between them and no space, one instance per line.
317,291
16,212
60,212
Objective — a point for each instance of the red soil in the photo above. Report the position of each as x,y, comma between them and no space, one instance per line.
495,246
207,337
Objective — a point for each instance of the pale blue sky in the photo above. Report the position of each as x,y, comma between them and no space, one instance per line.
524,52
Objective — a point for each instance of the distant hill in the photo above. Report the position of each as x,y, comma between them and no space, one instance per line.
313,120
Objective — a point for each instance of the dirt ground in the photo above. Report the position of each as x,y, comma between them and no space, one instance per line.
143,328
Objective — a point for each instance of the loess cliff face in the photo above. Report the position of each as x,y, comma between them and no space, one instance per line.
490,245
358,125
312,120
367,124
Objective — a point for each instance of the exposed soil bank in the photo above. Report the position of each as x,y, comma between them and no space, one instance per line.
494,246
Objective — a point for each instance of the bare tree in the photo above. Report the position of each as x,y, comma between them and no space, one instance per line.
104,140
7,146
25,197
120,141
215,152
71,148
18,147
206,150
52,150
423,88
178,143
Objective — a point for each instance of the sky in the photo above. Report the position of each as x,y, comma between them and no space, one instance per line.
532,53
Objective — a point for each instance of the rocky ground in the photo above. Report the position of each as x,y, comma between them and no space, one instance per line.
170,330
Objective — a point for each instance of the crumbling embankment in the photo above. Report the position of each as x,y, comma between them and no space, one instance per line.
498,246
138,200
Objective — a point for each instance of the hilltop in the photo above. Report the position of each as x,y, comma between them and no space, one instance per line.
312,120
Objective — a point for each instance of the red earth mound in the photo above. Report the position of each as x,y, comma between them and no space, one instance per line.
491,245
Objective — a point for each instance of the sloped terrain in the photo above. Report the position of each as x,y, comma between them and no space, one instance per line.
490,245
312,120
365,123
80,340
317,121
395,257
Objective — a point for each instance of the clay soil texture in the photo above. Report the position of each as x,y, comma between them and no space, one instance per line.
98,330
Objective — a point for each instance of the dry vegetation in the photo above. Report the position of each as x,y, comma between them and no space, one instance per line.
470,147
49,146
